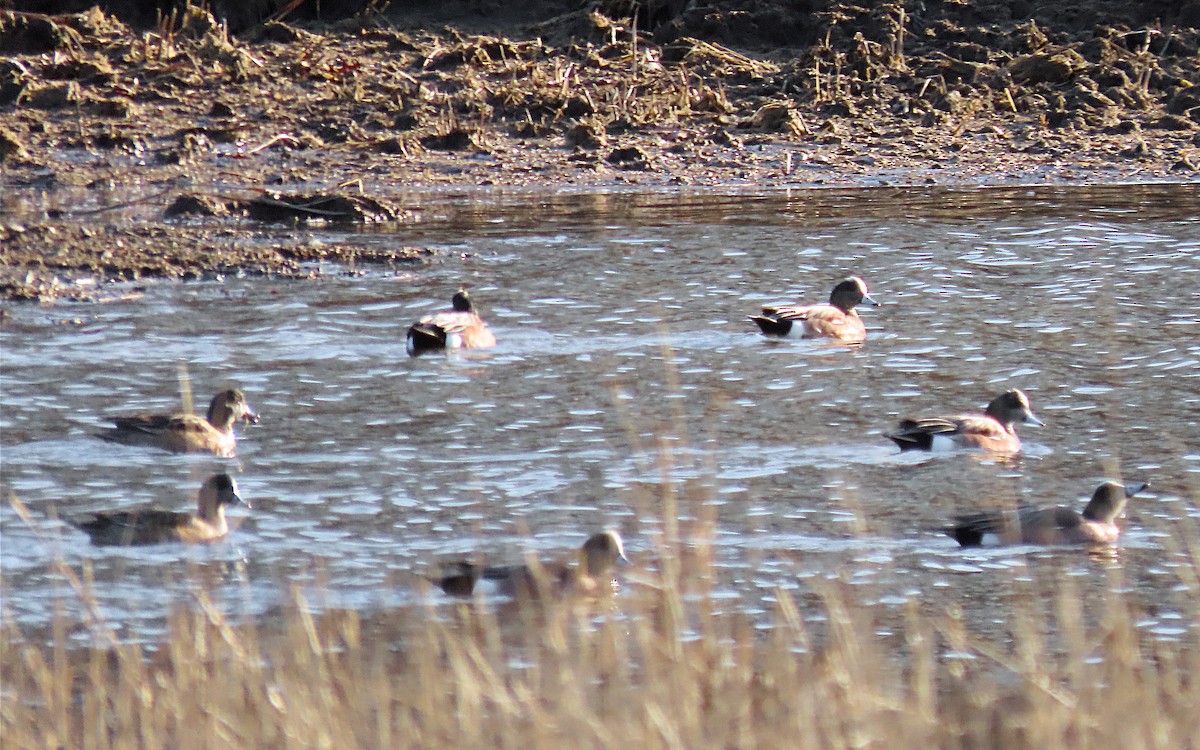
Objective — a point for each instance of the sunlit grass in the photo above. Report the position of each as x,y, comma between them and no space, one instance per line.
658,666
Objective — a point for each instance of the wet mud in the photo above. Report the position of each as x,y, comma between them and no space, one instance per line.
267,117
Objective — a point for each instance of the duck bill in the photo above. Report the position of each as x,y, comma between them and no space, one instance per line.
251,416
867,299
239,500
1136,487
1033,420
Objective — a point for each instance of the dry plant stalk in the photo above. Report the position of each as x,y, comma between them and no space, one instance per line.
657,668
706,51
664,665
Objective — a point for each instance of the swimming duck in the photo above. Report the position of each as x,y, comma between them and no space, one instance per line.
991,431
457,328
591,576
150,526
1032,524
187,433
837,320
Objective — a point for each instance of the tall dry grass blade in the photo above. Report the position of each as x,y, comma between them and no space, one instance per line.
185,389
83,593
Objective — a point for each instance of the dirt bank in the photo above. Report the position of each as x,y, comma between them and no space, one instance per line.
729,92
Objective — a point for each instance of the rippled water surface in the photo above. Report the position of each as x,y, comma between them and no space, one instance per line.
628,385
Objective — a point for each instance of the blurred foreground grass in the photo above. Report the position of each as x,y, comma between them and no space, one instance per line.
659,666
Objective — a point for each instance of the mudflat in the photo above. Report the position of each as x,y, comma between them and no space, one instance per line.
305,119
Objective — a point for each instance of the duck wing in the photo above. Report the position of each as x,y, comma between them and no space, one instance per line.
148,423
132,526
789,312
918,434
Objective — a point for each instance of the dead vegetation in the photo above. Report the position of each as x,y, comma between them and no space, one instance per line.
367,86
662,96
659,667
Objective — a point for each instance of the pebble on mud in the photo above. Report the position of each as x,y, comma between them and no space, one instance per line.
586,134
629,157
457,139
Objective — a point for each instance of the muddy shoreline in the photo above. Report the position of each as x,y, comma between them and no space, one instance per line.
292,114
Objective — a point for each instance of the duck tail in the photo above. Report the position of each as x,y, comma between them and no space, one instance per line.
771,326
966,536
910,437
455,579
425,338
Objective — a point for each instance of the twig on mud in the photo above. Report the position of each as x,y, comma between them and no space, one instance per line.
251,58
701,48
288,137
633,43
899,19
1166,43
1009,98
406,77
797,124
286,10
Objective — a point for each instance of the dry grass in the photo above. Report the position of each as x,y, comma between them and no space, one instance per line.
665,664
659,668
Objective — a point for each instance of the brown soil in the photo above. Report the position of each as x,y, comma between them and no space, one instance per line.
724,93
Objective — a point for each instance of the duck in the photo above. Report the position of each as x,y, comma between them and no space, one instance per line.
457,328
152,526
836,320
187,433
1033,524
591,576
992,431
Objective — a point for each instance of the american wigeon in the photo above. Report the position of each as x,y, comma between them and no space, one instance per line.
992,431
457,328
838,319
591,576
1032,524
150,526
187,433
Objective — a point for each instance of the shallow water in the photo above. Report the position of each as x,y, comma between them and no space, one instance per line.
627,383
